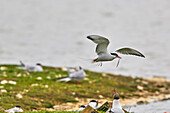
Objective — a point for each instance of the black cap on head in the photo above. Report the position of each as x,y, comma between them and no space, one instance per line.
93,101
82,106
116,95
80,67
18,106
38,64
115,54
89,37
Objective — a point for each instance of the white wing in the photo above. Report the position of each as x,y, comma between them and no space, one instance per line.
102,43
33,68
80,74
30,68
72,70
130,51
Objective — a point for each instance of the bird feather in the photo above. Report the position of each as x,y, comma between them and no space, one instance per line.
130,51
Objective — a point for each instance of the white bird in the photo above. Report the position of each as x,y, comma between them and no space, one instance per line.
93,104
101,50
116,107
82,107
109,110
36,68
74,74
15,109
73,70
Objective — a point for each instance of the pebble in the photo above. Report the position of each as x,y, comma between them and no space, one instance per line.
3,68
3,91
19,96
39,78
12,82
140,87
4,82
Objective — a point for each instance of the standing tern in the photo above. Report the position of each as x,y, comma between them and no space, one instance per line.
15,109
103,55
36,68
74,74
116,107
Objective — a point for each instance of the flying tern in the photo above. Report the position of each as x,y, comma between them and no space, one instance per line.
104,55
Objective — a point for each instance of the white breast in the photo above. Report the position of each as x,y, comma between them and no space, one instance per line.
105,57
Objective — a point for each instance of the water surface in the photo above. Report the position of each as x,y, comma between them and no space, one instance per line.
54,33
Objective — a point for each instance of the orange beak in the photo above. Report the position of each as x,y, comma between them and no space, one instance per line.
114,91
118,57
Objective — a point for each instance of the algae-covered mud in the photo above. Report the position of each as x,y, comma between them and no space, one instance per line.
42,91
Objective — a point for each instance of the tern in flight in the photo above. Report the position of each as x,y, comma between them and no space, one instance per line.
104,55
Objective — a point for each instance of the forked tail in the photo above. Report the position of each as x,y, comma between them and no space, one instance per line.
22,64
65,79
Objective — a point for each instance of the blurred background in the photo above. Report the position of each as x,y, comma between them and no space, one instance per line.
54,33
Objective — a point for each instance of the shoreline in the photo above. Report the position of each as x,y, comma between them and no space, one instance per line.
126,103
132,90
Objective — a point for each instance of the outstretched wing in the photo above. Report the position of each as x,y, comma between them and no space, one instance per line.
130,51
102,43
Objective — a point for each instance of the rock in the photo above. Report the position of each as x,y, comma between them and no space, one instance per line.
39,78
1,87
140,88
46,86
18,75
104,74
145,82
12,82
64,69
34,85
73,93
19,96
101,96
3,68
48,77
4,82
86,78
140,102
3,91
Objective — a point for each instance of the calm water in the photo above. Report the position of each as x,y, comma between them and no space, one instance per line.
157,107
54,33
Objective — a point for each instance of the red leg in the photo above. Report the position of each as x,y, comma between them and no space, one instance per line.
78,82
95,60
